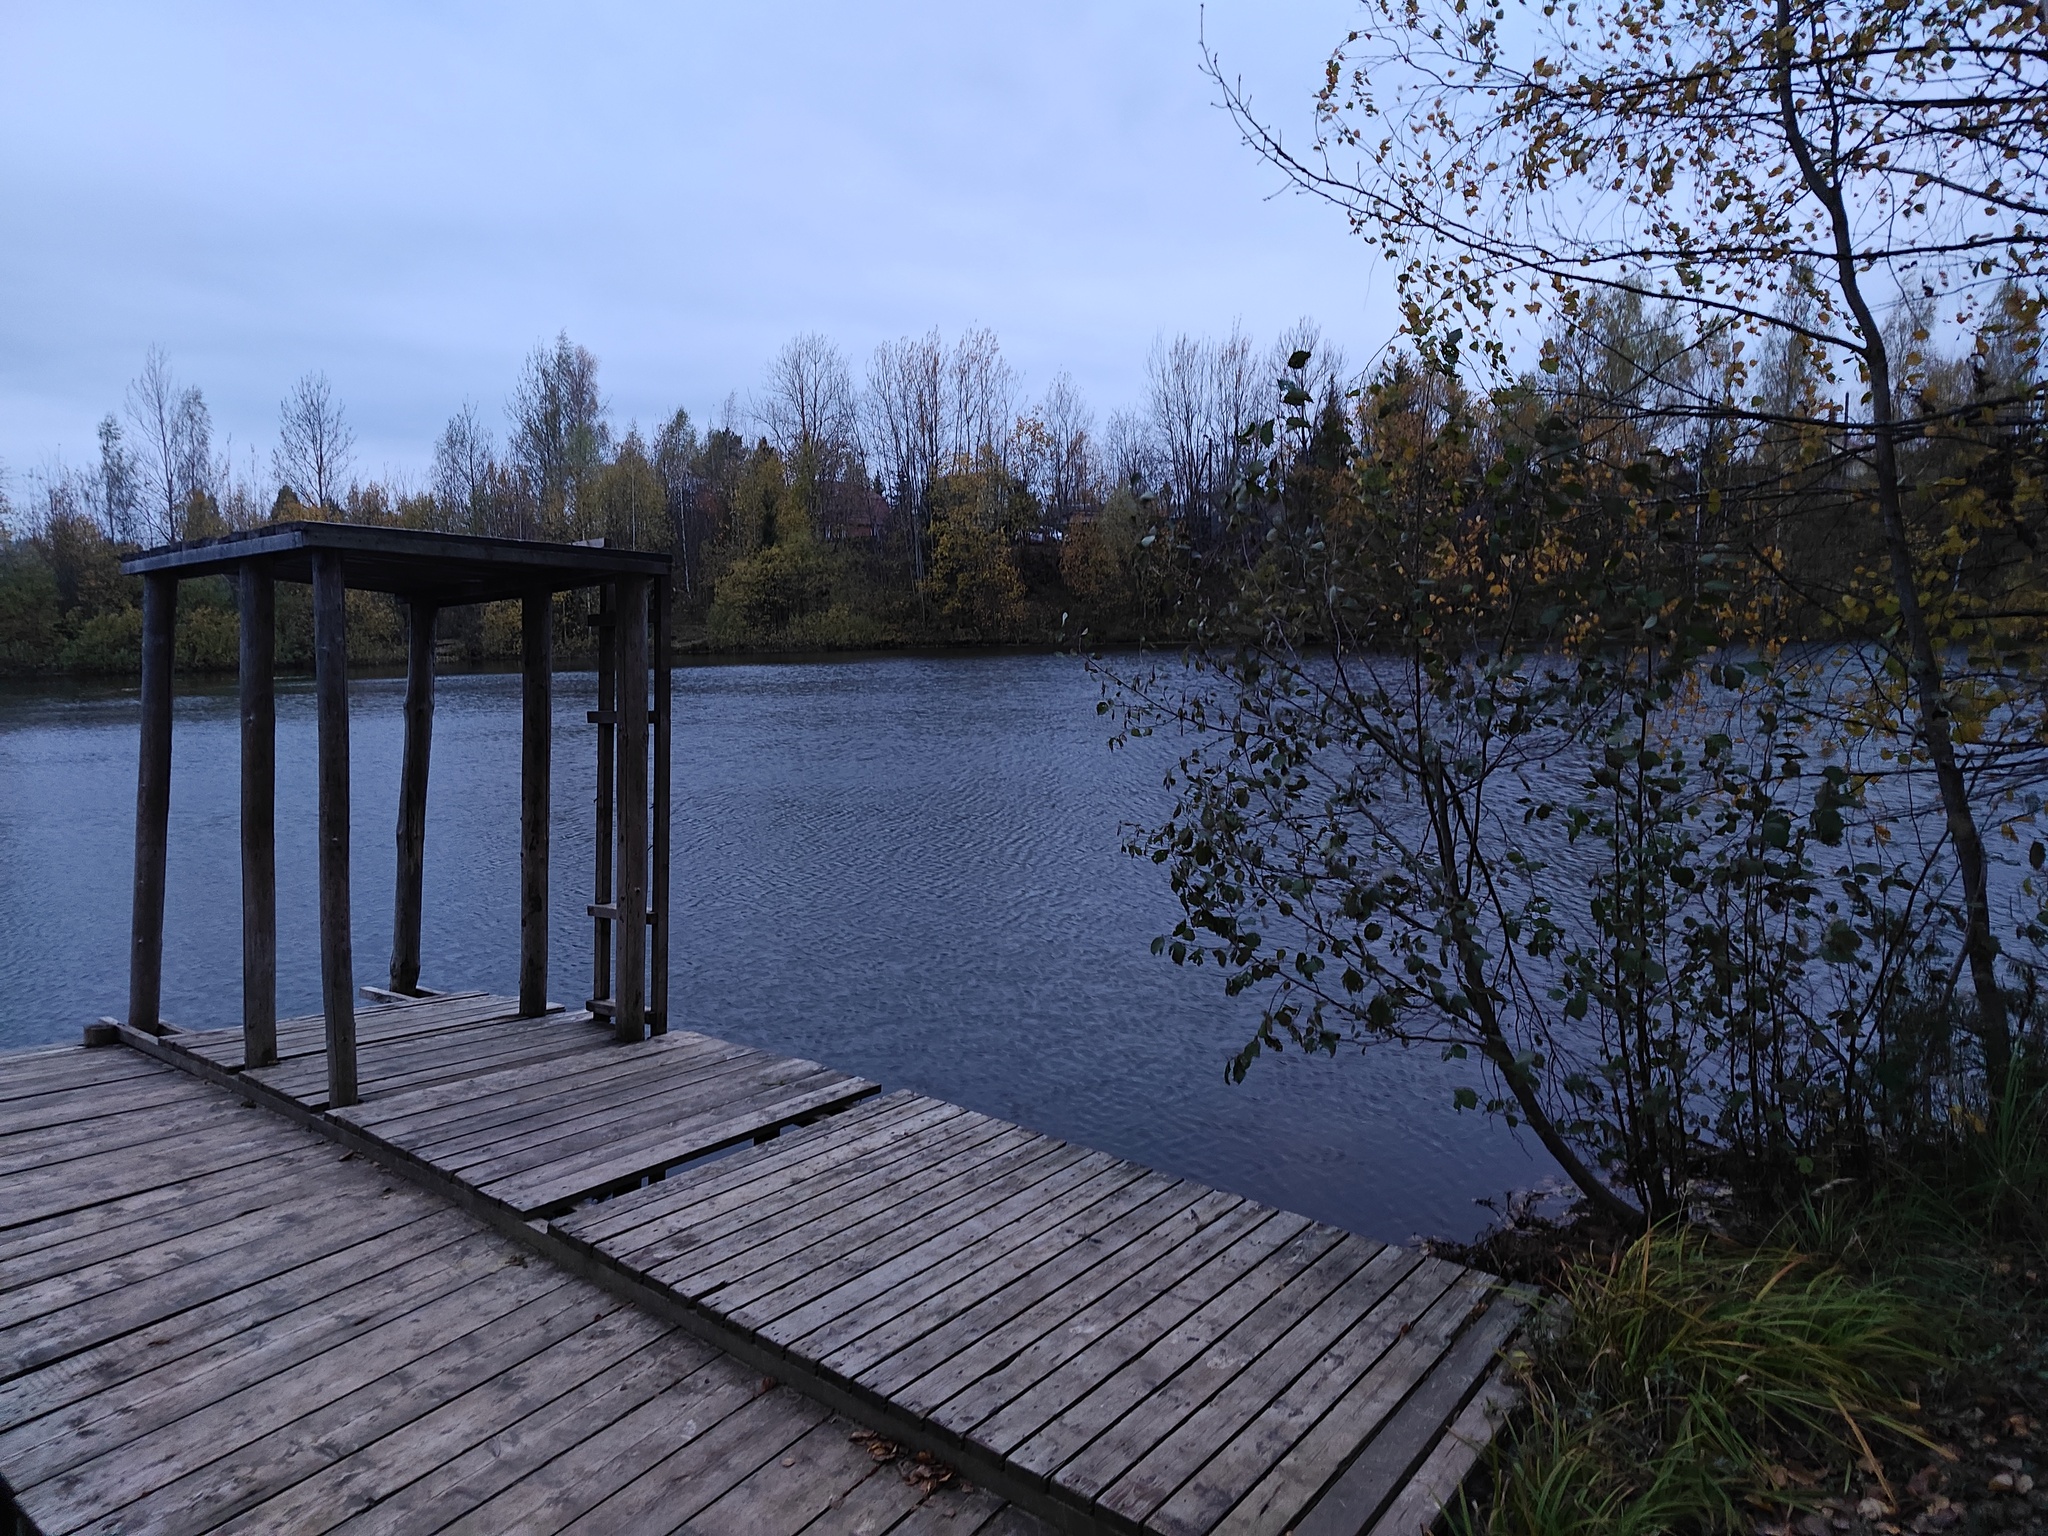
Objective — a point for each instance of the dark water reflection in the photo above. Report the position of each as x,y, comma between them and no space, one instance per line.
907,868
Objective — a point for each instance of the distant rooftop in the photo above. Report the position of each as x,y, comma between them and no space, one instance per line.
447,569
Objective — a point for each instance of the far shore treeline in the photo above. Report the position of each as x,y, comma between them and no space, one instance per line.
926,502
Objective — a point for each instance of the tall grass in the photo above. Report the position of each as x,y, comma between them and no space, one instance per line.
1694,1381
1691,1378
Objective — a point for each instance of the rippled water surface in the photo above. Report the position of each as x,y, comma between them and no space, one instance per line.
907,868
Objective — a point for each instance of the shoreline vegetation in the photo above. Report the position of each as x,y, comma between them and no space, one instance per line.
929,505
1725,331
1700,526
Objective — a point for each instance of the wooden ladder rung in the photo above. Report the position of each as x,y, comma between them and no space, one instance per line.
611,717
603,1007
610,913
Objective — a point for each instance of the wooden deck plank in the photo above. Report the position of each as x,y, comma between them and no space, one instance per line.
1008,1277
923,1247
500,1046
1172,1399
888,1501
1065,1207
785,1227
300,1203
797,1155
792,1272
389,1117
958,1165
579,1123
921,1360
1433,1489
243,1328
1112,1328
69,1107
193,1207
453,1061
812,1477
588,1413
356,1482
454,1054
214,1464
302,1042
1271,1438
35,1151
225,1168
218,1340
1277,1503
476,1038
473,1037
544,1099
603,1168
765,1199
1208,1461
675,1489
1371,1481
78,1184
572,1484
747,1218
38,1340
213,1332
87,1404
67,1068
306,1035
971,1512
1078,1422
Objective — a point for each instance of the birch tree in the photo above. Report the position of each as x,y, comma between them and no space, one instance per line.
315,444
1857,181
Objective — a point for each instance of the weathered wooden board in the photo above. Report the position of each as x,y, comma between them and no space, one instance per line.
1158,1355
1133,1351
267,1333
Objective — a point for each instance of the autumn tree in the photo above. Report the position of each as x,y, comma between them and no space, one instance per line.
174,446
315,444
1856,183
559,431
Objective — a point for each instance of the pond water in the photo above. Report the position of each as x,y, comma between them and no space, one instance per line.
907,868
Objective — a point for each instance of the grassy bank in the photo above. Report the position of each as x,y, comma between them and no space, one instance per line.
1875,1360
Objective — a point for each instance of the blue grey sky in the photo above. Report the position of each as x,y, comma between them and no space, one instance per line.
410,196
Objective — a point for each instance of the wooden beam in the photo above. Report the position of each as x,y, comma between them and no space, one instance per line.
330,687
659,916
607,728
536,772
629,933
258,597
152,803
412,798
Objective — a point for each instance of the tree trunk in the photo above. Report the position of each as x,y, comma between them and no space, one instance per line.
1930,691
1493,1042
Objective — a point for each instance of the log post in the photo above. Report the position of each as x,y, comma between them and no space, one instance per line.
657,1011
536,700
330,686
629,980
412,798
606,720
258,596
152,804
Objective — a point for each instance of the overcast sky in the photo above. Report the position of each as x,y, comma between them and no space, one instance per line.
410,196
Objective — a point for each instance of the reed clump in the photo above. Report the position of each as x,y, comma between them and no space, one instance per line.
1871,1361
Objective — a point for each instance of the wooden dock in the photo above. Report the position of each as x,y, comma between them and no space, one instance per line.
214,1320
1105,1347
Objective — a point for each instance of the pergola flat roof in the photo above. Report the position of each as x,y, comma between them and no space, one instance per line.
445,569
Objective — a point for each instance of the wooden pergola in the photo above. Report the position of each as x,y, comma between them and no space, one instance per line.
426,572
